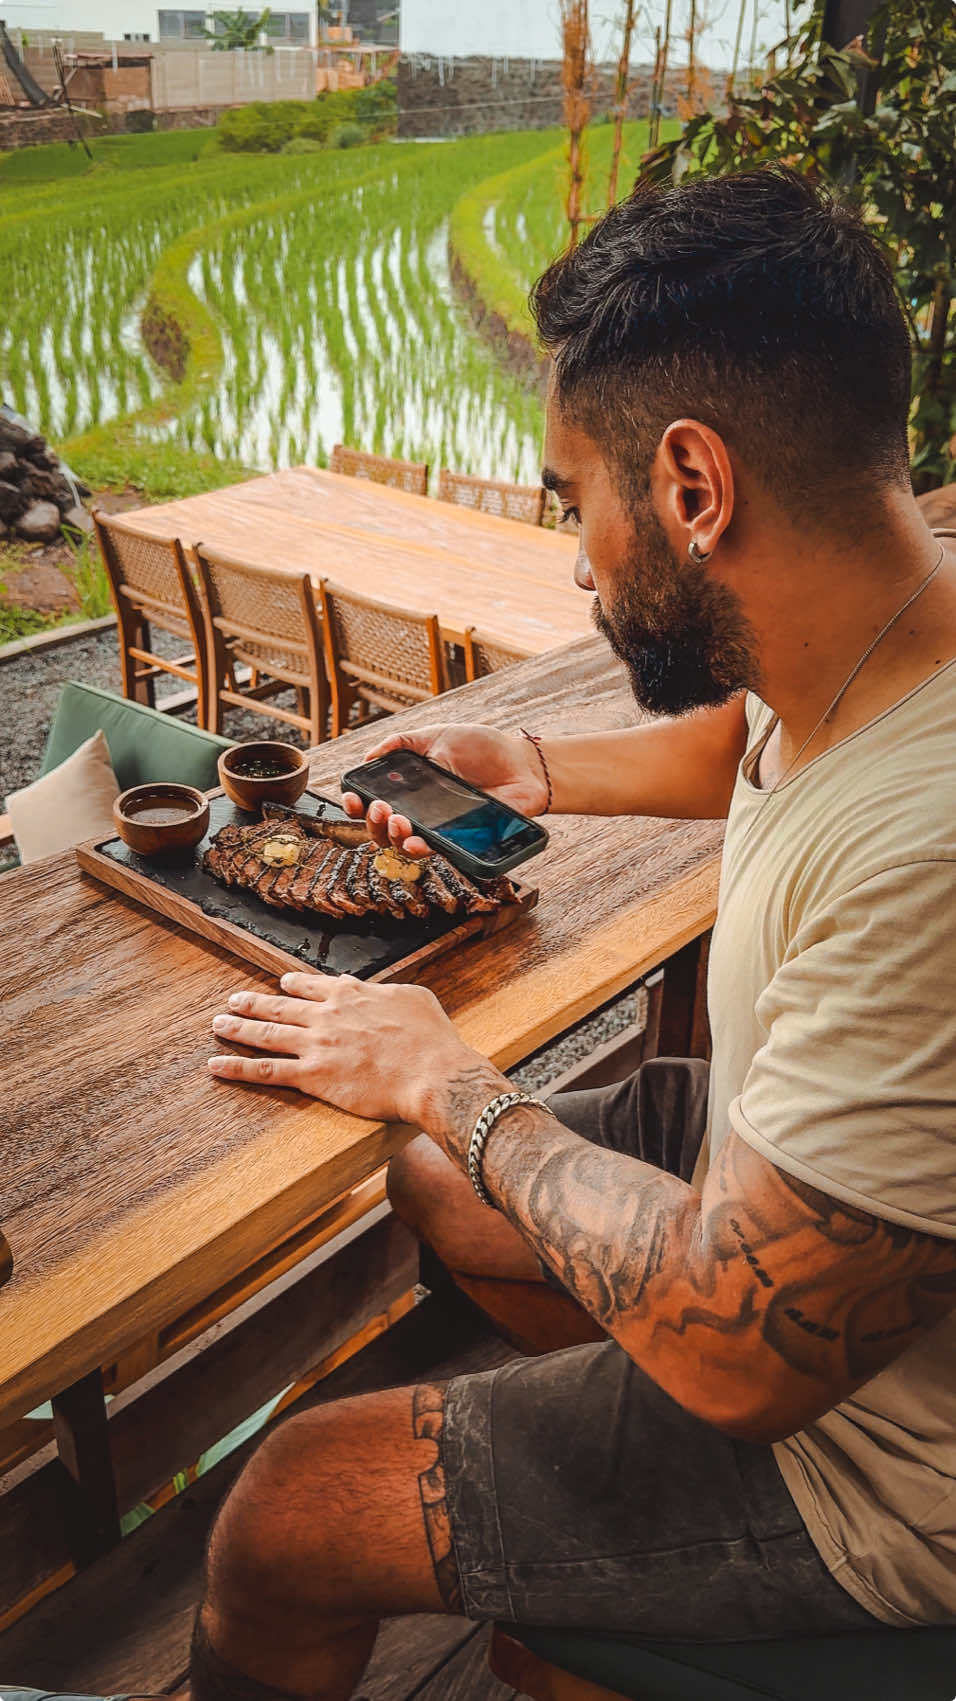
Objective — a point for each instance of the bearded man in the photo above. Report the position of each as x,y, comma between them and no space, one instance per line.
751,1431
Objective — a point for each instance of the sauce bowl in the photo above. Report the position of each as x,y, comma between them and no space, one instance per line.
247,790
161,818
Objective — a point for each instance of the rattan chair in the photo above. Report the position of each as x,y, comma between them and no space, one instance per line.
381,469
266,619
523,502
485,655
152,586
378,655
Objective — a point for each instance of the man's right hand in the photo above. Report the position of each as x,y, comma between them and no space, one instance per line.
502,763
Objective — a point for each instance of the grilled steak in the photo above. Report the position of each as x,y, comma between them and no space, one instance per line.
332,868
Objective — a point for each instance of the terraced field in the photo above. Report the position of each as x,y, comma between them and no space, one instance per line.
256,309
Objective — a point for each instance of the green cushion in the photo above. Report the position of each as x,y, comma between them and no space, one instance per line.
144,744
882,1665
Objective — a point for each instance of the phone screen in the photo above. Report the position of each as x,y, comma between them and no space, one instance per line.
476,824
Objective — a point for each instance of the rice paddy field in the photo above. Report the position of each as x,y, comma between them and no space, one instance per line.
255,309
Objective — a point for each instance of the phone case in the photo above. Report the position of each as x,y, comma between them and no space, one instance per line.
473,866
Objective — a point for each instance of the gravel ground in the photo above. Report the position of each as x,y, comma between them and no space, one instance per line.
30,685
29,688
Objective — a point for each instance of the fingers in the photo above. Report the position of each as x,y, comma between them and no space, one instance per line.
353,805
265,1008
316,988
260,1071
265,1036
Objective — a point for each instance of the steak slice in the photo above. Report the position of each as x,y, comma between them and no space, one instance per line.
470,899
356,879
338,885
381,891
435,889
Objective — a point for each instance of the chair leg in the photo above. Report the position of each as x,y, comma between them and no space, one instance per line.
516,1665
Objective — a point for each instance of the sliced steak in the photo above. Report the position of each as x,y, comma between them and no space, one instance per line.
470,900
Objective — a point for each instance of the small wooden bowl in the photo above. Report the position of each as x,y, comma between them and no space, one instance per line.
160,819
246,791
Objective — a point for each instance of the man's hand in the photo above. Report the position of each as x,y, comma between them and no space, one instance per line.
377,1051
501,763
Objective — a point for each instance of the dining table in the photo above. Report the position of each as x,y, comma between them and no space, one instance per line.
134,1185
512,582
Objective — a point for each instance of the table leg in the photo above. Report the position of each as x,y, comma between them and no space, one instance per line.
82,1436
682,1023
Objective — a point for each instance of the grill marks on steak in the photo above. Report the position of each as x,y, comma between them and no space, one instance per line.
333,875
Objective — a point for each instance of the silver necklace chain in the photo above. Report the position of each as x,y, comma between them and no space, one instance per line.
863,659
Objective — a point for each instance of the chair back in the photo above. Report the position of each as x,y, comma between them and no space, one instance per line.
384,655
266,619
486,655
381,469
523,502
150,575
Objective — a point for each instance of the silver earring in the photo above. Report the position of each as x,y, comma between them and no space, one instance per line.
698,555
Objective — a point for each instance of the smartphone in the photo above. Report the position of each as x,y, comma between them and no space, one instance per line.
478,834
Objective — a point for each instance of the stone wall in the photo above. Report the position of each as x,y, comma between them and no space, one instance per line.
457,97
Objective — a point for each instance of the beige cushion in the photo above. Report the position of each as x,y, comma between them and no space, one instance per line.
71,803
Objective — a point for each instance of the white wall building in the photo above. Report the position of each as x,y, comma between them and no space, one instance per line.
151,20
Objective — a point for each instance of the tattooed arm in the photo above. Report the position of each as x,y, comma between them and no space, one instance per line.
758,1305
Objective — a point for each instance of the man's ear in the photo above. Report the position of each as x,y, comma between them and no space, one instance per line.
694,484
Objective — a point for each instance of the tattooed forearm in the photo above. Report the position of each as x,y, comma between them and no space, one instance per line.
428,1416
763,1284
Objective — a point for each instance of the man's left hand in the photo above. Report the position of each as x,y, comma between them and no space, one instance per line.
376,1051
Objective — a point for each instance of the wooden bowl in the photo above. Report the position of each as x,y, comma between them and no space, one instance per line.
160,819
246,790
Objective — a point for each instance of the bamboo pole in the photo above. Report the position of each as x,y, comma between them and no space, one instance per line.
732,79
753,49
577,107
691,71
620,98
662,73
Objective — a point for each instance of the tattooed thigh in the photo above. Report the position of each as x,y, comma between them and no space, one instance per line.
428,1417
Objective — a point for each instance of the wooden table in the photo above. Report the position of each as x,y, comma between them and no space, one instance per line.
510,580
133,1185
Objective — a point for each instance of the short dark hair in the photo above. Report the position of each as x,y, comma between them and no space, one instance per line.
754,303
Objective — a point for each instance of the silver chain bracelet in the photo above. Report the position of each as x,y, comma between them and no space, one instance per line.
480,1133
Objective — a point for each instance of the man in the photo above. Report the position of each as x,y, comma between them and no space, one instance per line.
757,1432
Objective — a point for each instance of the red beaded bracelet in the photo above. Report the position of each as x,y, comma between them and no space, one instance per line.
533,738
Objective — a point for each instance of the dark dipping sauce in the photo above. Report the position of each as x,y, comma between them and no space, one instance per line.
254,768
160,814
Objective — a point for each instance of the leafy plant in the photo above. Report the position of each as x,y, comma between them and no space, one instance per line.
347,136
874,122
238,30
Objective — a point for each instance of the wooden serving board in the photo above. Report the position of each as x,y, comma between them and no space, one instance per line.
373,947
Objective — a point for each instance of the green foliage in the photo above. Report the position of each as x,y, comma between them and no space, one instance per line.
302,145
238,30
262,127
347,136
877,125
268,126
19,622
377,106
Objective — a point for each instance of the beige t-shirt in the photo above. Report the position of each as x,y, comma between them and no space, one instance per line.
832,997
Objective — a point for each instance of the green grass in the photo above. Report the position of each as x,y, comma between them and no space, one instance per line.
57,161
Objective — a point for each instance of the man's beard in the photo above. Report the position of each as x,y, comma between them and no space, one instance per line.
685,640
